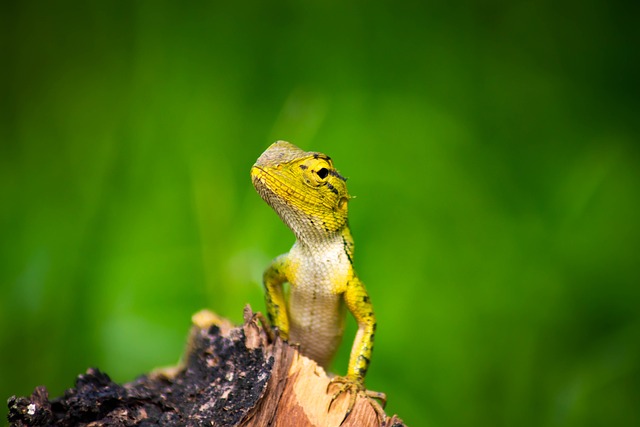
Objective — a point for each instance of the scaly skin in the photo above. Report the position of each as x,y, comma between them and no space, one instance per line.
311,197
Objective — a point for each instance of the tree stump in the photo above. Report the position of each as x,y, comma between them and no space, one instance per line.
229,376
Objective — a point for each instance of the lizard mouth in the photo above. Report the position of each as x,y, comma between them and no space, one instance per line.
257,178
260,179
272,187
256,174
265,184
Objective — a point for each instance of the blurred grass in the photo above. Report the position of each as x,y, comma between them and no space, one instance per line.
492,148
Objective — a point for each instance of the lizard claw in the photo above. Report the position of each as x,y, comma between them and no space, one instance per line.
356,388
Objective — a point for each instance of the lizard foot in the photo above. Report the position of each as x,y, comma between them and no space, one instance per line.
356,388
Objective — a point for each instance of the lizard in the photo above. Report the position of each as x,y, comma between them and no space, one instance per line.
311,198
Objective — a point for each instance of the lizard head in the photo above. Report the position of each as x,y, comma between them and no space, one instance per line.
304,189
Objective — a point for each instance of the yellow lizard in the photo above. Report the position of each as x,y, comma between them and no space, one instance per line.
311,197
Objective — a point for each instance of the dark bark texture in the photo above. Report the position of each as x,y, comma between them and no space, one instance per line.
230,376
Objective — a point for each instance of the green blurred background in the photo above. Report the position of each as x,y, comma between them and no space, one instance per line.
492,147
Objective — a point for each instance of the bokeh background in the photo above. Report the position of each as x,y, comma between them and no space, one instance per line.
492,148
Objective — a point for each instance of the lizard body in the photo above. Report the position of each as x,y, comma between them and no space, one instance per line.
311,197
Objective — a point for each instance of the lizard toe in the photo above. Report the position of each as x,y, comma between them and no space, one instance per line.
356,388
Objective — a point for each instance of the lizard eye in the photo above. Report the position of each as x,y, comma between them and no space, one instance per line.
322,173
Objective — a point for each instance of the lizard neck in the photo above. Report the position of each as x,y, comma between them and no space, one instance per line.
312,235
318,243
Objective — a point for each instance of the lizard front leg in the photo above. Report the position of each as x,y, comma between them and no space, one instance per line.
274,276
358,303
